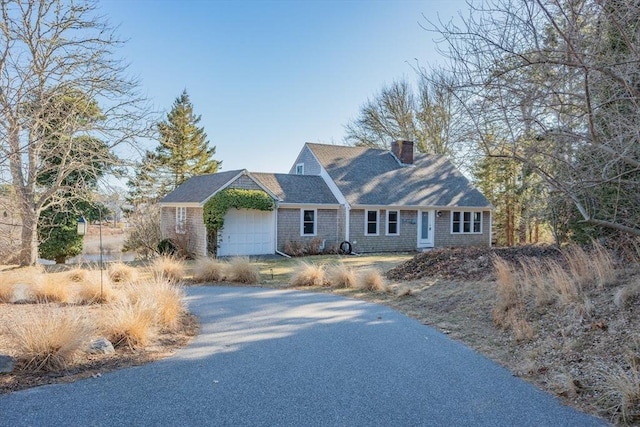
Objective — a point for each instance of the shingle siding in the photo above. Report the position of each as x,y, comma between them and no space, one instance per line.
289,227
405,241
194,237
444,238
311,166
245,183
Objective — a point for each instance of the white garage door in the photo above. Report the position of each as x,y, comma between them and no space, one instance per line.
247,232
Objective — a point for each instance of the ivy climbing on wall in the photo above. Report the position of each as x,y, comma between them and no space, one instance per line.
217,206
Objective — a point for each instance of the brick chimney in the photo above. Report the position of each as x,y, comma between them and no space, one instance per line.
403,150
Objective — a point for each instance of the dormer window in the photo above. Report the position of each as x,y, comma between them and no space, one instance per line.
300,169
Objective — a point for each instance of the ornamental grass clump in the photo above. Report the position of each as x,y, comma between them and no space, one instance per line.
241,270
371,280
307,274
52,289
166,298
208,270
95,289
129,324
49,338
342,276
168,268
122,273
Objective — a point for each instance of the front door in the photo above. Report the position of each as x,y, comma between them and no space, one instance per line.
425,229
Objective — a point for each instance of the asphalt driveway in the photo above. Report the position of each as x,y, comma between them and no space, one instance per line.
286,358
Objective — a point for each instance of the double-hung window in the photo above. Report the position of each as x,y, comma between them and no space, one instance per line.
181,220
464,222
308,222
371,223
393,223
300,169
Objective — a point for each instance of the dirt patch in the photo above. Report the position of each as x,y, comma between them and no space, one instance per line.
469,264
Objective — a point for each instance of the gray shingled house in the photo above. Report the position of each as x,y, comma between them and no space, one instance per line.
377,200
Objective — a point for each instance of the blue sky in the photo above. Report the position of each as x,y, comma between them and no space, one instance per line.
268,76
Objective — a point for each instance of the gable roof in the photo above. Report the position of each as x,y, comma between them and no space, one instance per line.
300,189
198,189
295,189
371,176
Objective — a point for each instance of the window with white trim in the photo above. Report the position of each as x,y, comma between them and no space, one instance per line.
466,222
308,223
393,223
181,220
300,169
371,223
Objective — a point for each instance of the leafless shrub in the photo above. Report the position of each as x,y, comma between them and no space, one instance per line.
313,246
144,232
293,248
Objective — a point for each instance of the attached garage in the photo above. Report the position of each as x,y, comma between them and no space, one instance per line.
247,232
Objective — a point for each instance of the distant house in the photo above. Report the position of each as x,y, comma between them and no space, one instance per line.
377,200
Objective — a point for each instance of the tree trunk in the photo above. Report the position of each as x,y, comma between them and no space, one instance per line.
29,235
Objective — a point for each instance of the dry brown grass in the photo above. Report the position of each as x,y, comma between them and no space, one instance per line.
167,300
209,270
131,324
621,396
342,276
626,295
307,274
241,270
6,291
52,289
371,280
49,339
76,275
122,273
168,268
532,283
94,290
592,269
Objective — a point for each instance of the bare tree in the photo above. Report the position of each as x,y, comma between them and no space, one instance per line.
556,84
424,116
51,51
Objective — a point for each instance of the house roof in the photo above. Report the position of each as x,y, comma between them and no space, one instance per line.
302,189
370,176
199,188
297,189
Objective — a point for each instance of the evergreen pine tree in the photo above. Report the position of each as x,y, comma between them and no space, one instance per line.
184,150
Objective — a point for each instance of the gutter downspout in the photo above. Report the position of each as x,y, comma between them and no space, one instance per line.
347,231
275,249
